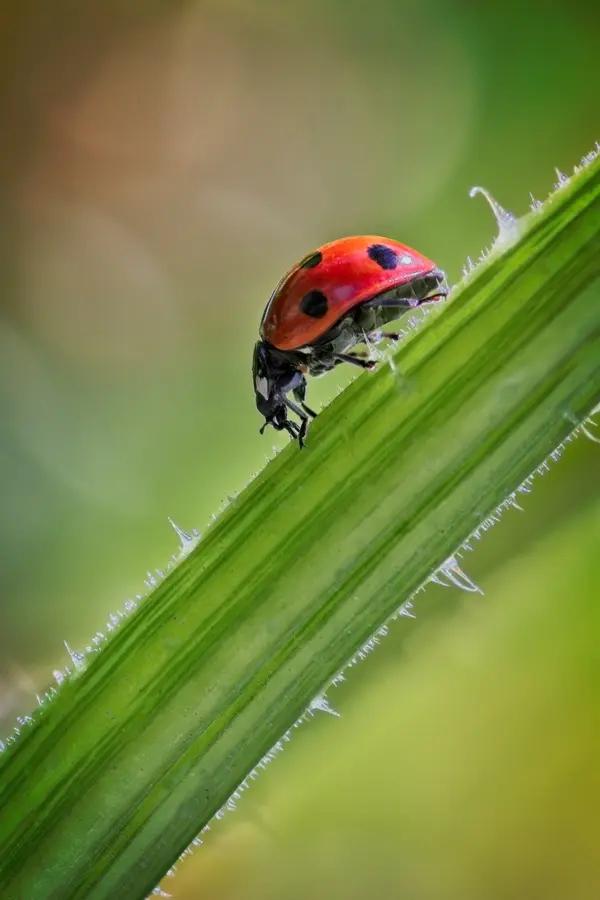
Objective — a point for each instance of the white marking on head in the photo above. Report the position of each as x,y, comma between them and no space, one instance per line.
262,386
406,260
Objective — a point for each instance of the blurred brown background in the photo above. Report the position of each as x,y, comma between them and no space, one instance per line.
162,164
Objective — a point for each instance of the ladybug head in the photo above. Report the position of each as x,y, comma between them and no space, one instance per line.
274,374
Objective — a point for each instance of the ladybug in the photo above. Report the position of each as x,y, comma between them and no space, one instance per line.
333,299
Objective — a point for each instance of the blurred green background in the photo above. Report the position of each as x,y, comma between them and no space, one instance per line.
163,164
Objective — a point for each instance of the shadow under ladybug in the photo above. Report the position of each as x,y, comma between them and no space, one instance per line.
334,299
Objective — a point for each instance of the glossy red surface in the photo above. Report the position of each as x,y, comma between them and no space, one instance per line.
346,275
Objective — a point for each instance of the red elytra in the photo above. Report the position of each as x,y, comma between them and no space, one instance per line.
336,298
346,275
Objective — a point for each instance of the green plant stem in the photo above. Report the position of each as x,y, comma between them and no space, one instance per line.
118,775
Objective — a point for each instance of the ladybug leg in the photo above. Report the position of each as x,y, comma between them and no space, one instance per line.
295,409
308,410
294,431
299,395
358,355
376,336
303,419
302,432
356,361
282,423
288,426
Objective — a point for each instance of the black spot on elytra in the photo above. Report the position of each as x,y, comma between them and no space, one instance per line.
314,304
383,256
312,260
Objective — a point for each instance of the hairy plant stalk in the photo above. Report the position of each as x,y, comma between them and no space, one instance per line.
117,776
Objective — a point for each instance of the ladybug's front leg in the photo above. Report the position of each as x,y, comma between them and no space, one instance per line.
281,423
302,416
300,394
